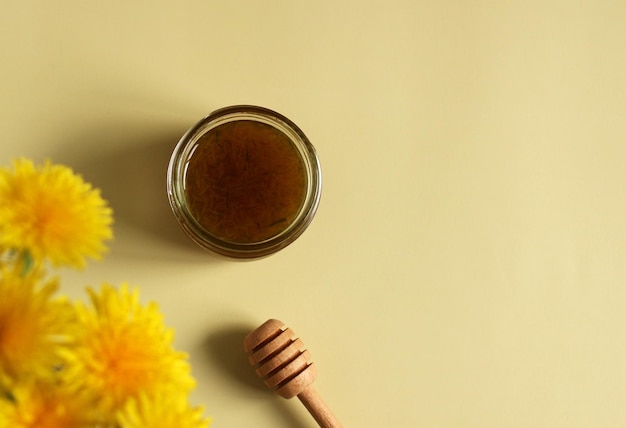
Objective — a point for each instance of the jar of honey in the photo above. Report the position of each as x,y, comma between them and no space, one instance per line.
244,182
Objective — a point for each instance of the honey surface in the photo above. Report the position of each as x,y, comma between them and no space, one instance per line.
245,181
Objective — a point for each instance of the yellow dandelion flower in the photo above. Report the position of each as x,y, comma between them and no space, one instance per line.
161,410
35,327
124,349
40,404
52,213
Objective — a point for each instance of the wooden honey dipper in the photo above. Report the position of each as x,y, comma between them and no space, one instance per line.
285,366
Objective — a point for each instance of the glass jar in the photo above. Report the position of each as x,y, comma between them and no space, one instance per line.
244,182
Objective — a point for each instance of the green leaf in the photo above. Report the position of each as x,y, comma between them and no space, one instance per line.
28,262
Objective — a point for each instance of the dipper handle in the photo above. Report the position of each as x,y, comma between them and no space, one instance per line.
318,409
285,366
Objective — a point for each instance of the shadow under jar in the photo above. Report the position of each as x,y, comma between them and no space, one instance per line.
244,182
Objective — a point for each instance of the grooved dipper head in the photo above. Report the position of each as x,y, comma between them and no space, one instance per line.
280,359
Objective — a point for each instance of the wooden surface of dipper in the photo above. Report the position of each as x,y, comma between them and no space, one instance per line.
285,366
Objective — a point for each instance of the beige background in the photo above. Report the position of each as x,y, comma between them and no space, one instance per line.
467,266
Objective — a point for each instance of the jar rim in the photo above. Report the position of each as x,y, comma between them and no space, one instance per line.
179,162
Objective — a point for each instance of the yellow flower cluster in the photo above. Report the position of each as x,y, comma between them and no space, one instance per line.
52,214
109,362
